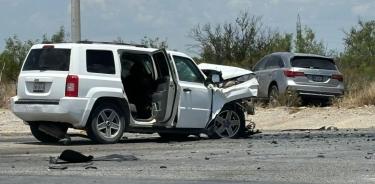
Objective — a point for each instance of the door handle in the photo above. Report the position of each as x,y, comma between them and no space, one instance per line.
186,90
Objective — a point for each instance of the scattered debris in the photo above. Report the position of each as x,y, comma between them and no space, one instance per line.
58,167
369,155
332,128
71,158
116,157
91,167
329,128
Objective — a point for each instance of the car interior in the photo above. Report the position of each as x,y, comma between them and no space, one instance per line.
145,86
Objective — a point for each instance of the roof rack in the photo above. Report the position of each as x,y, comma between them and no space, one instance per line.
92,42
113,43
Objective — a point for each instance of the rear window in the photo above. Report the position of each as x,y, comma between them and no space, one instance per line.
48,59
100,61
313,63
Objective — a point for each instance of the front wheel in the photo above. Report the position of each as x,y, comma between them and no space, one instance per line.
229,123
107,124
273,95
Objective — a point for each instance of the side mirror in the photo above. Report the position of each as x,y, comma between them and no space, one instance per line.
215,78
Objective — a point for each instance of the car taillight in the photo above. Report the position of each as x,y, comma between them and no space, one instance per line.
71,88
290,73
338,77
48,46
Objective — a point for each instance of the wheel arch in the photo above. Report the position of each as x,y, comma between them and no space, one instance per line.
122,103
273,83
233,104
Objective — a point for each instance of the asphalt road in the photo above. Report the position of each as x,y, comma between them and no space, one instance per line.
345,156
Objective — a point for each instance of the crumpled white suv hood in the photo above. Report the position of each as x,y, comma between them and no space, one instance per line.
227,72
242,90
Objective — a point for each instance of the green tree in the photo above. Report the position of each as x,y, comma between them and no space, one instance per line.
58,37
12,57
241,43
358,59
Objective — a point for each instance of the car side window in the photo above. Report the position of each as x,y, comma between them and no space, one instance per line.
187,70
100,61
274,62
260,65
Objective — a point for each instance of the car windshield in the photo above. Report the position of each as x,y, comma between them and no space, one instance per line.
313,63
48,59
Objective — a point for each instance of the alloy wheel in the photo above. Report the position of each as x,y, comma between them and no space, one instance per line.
108,123
227,124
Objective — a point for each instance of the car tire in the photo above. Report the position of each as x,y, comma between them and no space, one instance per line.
42,136
106,124
273,95
229,123
173,136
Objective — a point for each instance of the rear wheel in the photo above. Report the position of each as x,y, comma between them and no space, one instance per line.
42,136
273,95
229,123
106,124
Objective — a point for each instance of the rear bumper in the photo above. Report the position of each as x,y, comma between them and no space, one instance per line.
65,110
318,91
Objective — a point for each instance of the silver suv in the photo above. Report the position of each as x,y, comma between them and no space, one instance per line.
108,89
311,76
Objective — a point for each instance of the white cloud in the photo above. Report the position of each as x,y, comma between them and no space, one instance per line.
362,9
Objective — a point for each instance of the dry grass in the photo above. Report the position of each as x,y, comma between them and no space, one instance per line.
6,91
358,96
289,99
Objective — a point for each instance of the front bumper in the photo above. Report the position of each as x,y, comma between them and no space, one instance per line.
65,110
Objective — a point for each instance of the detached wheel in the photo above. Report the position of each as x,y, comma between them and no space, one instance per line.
41,136
106,124
273,95
229,123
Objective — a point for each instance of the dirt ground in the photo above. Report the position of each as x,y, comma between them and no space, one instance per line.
282,118
279,118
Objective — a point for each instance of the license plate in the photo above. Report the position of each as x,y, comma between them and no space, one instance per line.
38,87
317,78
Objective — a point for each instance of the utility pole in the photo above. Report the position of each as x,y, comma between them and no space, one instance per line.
299,38
76,21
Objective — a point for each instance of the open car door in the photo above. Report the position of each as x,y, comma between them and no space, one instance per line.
164,99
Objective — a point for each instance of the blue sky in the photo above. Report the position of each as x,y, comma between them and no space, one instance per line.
105,20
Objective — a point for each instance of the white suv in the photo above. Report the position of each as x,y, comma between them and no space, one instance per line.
108,89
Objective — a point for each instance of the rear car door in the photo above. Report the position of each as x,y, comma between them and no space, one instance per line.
273,72
195,97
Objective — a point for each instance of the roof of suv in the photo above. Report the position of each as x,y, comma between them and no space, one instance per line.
104,45
291,55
